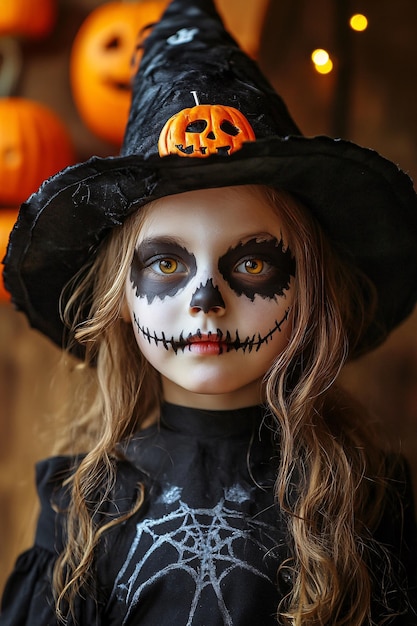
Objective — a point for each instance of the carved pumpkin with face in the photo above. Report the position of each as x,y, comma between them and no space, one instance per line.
101,63
204,130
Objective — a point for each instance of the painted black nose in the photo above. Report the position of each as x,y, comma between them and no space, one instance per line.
211,135
207,298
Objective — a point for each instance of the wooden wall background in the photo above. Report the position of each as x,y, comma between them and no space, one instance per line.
380,113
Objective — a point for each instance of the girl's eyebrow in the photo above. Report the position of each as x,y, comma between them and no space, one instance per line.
257,235
165,245
161,240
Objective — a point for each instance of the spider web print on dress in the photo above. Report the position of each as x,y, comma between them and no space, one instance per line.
204,541
250,343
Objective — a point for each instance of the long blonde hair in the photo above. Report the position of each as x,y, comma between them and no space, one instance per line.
327,465
328,461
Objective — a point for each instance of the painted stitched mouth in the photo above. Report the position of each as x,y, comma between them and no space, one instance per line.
226,341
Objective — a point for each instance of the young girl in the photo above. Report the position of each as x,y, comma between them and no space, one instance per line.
214,279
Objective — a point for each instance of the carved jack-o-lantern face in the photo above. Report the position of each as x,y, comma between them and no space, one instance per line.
101,71
203,130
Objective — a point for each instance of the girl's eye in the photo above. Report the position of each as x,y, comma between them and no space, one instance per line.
166,266
251,266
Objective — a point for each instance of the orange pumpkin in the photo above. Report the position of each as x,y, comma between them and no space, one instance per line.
32,18
101,64
7,219
203,130
34,144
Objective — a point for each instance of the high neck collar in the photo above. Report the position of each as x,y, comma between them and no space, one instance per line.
208,423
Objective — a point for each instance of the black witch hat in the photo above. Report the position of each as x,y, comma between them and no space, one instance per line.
203,116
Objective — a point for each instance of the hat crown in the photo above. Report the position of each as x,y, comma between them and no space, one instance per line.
189,58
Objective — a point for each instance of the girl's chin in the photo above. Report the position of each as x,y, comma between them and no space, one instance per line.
212,394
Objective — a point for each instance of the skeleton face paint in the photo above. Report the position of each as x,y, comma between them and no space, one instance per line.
207,297
249,278
161,268
210,293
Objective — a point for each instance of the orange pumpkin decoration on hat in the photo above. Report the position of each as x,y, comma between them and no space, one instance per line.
101,64
204,130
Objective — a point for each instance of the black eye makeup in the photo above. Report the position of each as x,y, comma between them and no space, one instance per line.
258,267
160,268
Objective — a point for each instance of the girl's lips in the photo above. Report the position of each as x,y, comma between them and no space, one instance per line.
207,347
208,343
204,338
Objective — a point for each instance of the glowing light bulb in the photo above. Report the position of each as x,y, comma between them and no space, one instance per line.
325,68
320,56
322,61
358,22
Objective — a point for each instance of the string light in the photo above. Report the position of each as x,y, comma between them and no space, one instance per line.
323,64
322,61
358,22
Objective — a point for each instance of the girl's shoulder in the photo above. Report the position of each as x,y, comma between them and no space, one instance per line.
54,486
52,477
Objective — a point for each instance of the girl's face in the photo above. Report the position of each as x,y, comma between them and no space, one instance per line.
209,295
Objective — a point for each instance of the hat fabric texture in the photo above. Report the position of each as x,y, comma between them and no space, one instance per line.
364,203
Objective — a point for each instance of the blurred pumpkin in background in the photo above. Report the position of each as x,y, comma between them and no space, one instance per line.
31,18
101,64
7,220
34,144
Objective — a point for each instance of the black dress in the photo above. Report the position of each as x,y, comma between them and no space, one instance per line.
203,550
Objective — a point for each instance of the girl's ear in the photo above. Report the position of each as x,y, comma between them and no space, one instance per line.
125,311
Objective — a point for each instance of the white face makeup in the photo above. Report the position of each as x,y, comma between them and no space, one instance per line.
210,293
